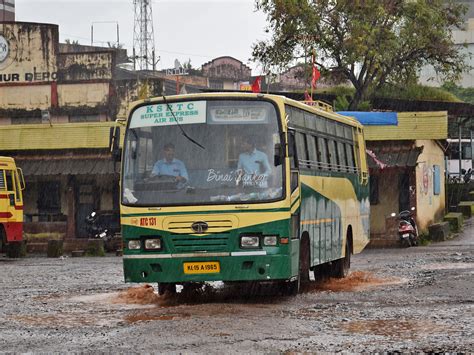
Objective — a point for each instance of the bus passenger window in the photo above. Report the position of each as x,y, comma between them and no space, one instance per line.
323,153
10,179
341,153
350,157
332,154
312,151
2,180
301,149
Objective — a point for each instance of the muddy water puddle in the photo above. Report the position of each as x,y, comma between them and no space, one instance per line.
406,329
143,304
356,281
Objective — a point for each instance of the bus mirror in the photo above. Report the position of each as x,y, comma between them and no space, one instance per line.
114,142
279,154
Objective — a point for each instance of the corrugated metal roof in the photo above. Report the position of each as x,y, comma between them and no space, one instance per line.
57,136
373,118
411,126
394,157
83,166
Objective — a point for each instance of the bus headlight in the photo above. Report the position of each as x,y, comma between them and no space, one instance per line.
249,241
153,244
270,240
134,244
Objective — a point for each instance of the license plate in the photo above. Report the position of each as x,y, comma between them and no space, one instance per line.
406,235
210,267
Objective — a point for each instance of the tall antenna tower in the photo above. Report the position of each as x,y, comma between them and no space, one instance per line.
143,37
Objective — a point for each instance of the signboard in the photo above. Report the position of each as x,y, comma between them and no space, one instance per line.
3,49
188,112
235,114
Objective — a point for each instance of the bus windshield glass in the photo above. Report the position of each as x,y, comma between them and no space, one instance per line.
202,152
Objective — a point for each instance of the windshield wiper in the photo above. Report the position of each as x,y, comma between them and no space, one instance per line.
183,132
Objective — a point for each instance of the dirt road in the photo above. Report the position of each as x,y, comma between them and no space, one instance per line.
417,299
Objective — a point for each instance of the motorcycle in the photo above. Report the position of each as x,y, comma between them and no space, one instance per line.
106,226
407,229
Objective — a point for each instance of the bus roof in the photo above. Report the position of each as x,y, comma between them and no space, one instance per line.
335,116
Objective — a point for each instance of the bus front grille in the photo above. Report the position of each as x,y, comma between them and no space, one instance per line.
180,225
194,243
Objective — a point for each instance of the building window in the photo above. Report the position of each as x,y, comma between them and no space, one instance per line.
374,190
49,198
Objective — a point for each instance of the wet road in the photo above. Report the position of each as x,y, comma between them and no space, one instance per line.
417,299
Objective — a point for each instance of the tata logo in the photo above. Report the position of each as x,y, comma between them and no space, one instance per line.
3,48
199,227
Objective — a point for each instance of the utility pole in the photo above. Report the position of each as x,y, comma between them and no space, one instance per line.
143,37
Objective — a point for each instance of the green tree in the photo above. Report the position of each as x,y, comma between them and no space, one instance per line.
367,42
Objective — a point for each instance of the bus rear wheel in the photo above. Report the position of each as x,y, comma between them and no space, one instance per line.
164,287
340,267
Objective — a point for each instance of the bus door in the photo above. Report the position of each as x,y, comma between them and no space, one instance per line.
11,207
295,201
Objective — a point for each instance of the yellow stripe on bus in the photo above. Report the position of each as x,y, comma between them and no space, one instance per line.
318,221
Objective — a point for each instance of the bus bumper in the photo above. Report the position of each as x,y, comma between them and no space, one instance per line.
141,268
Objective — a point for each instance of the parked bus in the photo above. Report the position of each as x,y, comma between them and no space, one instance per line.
11,206
239,187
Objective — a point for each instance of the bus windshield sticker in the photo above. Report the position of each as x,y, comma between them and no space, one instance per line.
233,114
188,112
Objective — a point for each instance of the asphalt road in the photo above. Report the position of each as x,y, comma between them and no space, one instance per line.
416,299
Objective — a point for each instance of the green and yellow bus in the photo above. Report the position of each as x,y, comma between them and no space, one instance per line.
241,187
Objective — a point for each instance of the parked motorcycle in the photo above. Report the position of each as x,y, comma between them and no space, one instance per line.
104,225
407,229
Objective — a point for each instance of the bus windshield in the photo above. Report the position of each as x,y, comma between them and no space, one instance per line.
202,152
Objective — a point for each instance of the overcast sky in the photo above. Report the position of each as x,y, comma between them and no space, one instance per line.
199,30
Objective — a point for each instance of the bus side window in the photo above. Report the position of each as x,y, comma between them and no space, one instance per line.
341,152
3,186
312,151
322,149
332,154
11,186
301,150
10,180
350,158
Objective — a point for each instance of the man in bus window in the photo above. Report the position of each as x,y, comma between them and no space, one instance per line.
170,166
253,167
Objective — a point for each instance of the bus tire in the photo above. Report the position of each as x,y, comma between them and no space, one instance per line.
164,287
3,240
340,267
13,250
304,260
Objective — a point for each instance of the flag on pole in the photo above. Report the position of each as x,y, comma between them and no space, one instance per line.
316,76
256,85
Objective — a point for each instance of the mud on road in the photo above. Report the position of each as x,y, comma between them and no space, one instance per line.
417,299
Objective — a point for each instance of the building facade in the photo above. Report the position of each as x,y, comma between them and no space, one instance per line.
57,106
407,169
